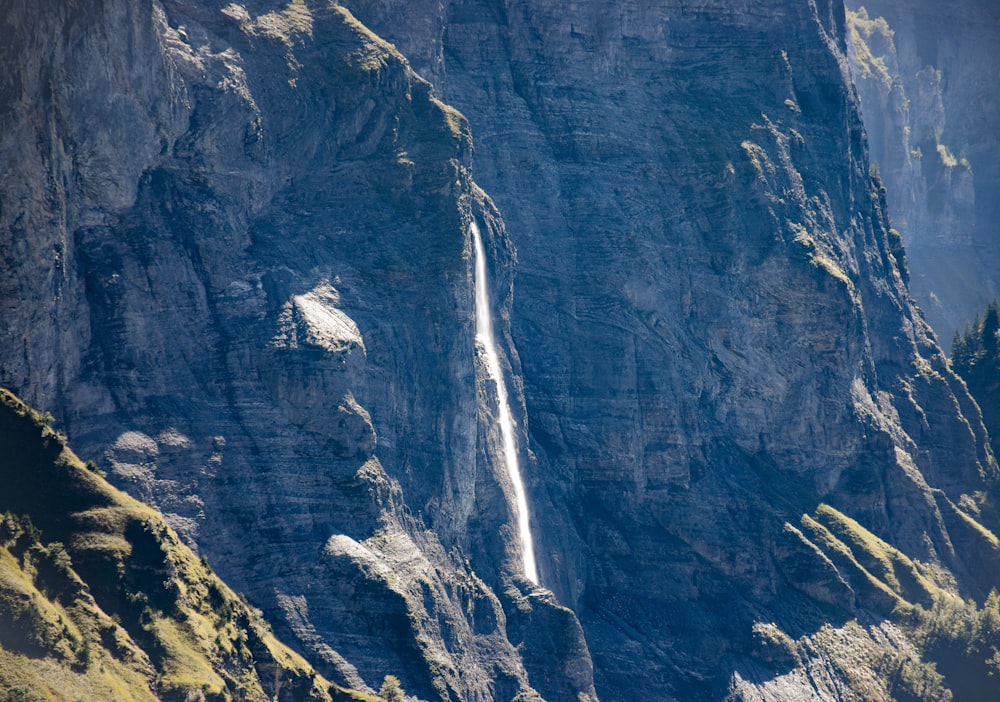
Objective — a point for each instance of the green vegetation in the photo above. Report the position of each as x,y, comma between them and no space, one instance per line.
975,356
871,668
391,690
100,600
883,578
963,641
872,41
954,645
52,634
871,592
341,694
883,561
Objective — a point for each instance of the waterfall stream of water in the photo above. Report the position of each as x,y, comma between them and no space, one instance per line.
484,333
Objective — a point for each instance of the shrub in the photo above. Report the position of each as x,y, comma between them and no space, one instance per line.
391,690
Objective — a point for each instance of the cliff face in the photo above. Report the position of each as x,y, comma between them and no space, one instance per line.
928,94
100,600
239,271
713,326
241,276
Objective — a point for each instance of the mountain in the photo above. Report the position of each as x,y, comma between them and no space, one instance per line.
928,94
100,600
241,276
249,252
712,319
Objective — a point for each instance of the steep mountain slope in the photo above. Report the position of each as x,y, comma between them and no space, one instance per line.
242,277
100,600
928,87
240,273
713,324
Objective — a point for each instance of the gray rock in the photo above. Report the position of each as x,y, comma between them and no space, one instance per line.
928,91
712,320
241,277
238,268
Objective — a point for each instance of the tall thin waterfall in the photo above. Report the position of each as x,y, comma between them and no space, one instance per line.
484,333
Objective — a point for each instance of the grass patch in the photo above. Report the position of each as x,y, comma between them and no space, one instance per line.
184,664
124,610
881,559
870,591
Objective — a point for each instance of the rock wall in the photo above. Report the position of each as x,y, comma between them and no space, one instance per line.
712,317
928,95
239,272
242,280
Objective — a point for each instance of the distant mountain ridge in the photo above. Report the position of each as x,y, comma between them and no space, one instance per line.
928,95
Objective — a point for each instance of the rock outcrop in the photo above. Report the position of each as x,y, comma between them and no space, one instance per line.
928,95
242,279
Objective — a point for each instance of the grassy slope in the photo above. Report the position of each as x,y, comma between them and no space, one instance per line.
100,600
956,654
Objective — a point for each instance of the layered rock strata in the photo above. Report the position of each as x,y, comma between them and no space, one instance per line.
241,277
926,79
238,269
714,328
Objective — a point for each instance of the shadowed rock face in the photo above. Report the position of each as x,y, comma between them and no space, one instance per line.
712,320
241,275
237,266
928,90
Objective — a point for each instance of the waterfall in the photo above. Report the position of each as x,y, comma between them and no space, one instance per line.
484,334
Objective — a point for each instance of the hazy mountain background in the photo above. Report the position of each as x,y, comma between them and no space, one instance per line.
929,97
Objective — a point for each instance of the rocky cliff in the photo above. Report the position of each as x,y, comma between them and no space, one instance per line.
241,276
928,92
712,318
239,271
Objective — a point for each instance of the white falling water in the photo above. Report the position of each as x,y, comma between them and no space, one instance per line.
484,333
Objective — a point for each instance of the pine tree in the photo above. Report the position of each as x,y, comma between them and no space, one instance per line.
975,357
990,328
391,690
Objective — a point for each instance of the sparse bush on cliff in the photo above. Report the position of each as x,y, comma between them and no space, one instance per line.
391,690
963,641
